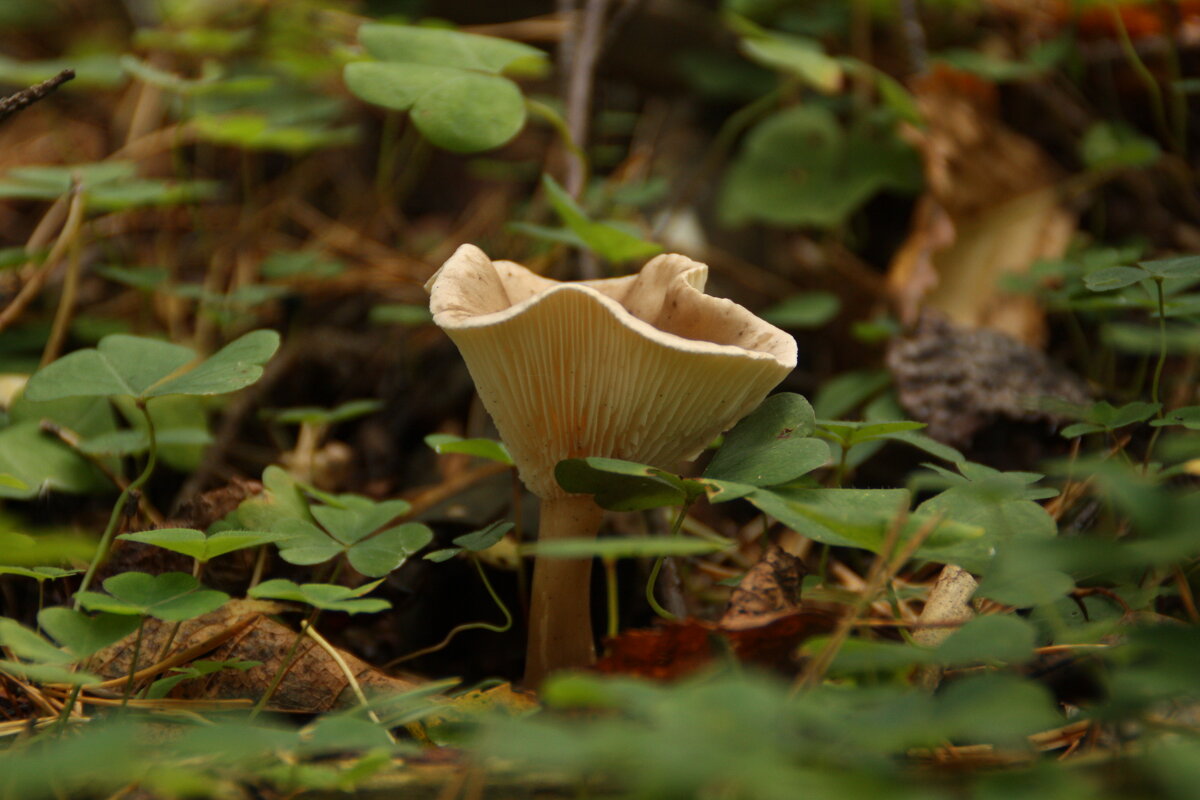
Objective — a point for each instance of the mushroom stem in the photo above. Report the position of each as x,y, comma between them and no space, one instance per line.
560,620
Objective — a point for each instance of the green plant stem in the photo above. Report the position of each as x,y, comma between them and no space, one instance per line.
1158,368
840,474
385,162
137,653
1162,343
467,626
162,651
65,716
658,562
559,125
286,664
118,511
610,583
1146,76
66,303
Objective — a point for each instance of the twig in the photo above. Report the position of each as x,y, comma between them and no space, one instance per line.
66,302
586,43
26,97
580,81
913,36
34,285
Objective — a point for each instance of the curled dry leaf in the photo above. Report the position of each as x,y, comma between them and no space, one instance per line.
673,649
770,587
241,631
991,208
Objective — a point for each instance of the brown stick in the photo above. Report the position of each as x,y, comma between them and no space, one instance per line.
26,97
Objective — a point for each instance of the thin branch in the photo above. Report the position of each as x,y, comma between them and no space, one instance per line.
26,97
583,55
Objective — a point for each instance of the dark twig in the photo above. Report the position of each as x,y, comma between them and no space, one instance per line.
912,34
26,97
586,39
580,51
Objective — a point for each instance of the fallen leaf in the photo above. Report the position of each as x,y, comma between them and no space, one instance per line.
991,208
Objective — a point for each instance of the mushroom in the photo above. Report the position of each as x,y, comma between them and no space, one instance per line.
645,368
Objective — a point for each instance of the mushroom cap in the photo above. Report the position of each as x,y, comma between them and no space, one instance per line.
645,367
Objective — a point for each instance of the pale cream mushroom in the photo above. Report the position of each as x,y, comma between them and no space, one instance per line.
645,368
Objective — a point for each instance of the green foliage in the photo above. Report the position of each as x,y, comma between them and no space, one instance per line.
810,310
345,412
450,82
131,366
39,463
489,449
94,71
1108,579
197,669
798,56
171,597
773,445
1108,145
346,524
830,742
621,547
107,186
200,546
325,596
474,542
1103,416
624,485
82,634
1037,62
800,166
611,240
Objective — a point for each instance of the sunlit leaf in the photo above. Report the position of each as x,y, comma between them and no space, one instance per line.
202,547
325,596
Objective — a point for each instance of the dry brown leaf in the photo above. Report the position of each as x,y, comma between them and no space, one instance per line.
991,208
771,586
241,631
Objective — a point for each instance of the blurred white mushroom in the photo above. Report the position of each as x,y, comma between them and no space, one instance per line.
645,368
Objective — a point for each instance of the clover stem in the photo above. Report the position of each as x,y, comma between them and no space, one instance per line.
653,580
120,507
466,626
286,664
560,621
1158,367
137,652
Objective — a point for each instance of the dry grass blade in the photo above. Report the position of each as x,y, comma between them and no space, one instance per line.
883,568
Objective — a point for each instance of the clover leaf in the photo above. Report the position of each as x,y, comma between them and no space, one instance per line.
171,597
474,542
772,445
448,81
82,634
325,596
142,368
199,546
